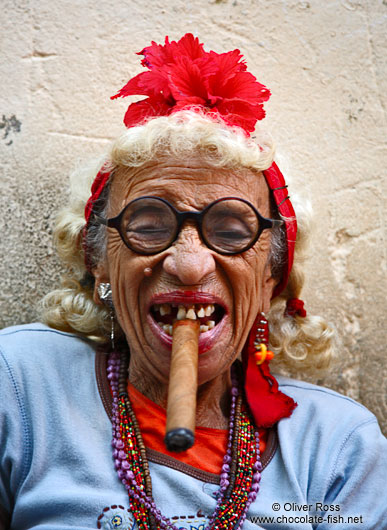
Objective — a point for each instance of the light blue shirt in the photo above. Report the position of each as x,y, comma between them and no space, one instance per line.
57,471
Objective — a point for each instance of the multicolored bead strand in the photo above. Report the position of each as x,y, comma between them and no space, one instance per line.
227,460
241,469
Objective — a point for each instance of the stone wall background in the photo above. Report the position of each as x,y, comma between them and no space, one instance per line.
323,61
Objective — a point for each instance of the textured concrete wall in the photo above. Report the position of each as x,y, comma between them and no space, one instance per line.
325,64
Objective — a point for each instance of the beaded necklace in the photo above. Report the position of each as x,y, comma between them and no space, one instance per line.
241,469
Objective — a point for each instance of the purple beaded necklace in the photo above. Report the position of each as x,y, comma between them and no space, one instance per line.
241,469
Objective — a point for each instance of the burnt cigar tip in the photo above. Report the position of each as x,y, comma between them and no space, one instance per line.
179,440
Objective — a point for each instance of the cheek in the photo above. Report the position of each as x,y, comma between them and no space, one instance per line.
247,275
126,272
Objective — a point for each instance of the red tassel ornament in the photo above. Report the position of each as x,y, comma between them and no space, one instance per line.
295,306
267,403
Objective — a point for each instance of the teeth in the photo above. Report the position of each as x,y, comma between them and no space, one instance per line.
181,313
209,310
191,314
200,313
167,328
165,309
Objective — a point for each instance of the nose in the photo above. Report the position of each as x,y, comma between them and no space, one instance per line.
189,259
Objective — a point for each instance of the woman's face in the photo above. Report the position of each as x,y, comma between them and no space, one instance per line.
225,292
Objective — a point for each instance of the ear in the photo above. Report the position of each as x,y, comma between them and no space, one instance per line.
101,275
269,284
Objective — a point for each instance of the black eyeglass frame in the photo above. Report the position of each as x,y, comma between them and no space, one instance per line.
263,224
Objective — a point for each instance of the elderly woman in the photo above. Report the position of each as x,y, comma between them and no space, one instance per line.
187,240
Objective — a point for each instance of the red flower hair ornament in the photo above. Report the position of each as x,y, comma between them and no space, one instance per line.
182,75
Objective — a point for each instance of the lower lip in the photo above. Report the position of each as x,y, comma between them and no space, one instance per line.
207,339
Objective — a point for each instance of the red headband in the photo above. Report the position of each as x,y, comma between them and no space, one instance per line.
182,75
276,183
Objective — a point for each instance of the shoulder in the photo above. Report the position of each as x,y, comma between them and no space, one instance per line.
41,367
327,421
38,339
334,446
50,408
30,333
35,352
318,401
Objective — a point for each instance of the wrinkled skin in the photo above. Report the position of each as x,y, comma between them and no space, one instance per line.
243,282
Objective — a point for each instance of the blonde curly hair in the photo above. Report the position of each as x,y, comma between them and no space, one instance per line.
300,343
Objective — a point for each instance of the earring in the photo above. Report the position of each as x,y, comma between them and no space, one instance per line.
105,295
266,402
261,341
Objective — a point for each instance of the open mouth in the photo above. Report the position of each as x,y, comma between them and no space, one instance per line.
209,315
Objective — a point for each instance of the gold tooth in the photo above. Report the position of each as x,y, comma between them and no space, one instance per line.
203,328
210,324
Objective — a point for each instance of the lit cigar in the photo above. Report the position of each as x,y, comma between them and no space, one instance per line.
183,385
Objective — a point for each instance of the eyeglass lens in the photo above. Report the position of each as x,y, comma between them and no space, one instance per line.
230,226
149,225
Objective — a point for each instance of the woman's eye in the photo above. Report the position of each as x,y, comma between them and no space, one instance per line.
146,229
145,224
149,227
154,234
231,234
232,228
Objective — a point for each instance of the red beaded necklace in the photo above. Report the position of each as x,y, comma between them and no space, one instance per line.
241,470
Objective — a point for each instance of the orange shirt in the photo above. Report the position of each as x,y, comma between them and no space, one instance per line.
210,444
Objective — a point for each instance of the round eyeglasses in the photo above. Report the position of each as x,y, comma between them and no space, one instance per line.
149,225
